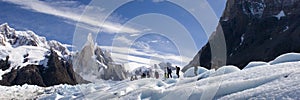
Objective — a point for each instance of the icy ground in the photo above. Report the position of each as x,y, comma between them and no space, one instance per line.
278,79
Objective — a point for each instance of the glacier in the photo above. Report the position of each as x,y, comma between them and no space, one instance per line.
262,81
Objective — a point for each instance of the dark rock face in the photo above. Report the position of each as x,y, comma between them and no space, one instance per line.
59,71
30,75
254,30
101,57
114,72
4,64
8,78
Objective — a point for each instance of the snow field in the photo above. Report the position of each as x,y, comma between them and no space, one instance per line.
278,79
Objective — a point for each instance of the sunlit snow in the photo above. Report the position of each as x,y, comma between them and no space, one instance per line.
278,79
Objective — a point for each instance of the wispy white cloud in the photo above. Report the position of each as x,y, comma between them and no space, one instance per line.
125,54
131,66
142,45
154,41
123,40
60,9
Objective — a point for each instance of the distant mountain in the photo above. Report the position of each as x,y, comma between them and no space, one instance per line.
254,30
93,63
26,58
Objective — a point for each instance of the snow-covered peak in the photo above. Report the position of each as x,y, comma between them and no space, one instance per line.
20,38
94,64
59,47
9,37
90,40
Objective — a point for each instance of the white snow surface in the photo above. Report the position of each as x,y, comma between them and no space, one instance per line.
280,14
36,56
286,28
242,39
255,64
265,81
225,70
289,57
16,55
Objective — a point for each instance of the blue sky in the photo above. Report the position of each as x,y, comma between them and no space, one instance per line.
150,29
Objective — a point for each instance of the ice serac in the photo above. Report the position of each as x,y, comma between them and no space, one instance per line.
26,58
265,34
93,63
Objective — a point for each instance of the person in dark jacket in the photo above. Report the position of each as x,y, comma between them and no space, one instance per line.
166,74
143,75
169,72
177,71
156,75
135,77
131,78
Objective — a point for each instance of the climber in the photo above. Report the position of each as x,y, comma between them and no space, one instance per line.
177,71
156,74
169,72
143,75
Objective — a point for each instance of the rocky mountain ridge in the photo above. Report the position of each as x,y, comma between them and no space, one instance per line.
254,30
11,37
26,58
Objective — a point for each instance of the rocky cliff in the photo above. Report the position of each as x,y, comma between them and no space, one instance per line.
254,30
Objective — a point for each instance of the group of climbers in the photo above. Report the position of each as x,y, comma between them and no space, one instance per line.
147,73
168,72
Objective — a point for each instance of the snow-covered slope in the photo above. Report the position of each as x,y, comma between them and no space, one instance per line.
32,54
23,56
26,58
271,81
26,48
19,44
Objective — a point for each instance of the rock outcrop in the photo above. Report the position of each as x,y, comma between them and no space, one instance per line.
114,72
92,63
254,30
